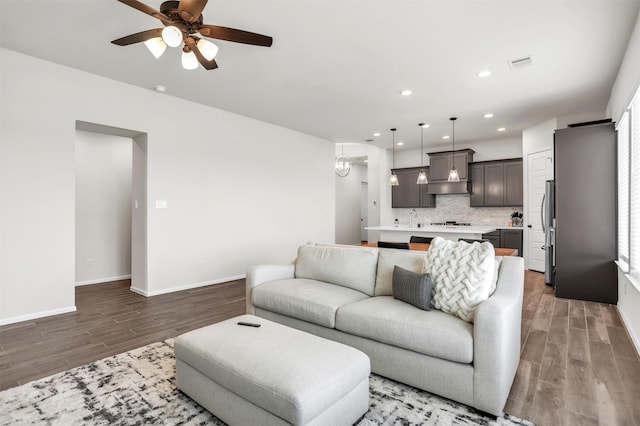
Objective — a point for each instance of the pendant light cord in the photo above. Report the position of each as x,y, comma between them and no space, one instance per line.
421,145
453,136
393,149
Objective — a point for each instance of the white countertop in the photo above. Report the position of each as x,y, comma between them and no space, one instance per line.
436,229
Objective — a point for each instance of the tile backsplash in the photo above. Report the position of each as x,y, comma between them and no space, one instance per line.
456,207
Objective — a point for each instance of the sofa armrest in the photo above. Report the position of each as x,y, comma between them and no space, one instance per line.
259,274
496,338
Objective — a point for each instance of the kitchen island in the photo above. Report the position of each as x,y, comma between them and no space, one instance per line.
402,233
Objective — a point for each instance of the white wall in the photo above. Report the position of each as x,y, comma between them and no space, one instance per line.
628,79
348,205
625,86
629,307
215,170
103,207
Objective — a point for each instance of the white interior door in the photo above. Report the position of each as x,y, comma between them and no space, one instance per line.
364,210
540,169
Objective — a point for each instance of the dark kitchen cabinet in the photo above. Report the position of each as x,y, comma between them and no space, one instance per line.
506,238
513,183
477,185
511,238
496,183
408,194
493,237
440,164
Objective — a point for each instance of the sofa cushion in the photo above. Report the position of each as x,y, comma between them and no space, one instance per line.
353,268
463,274
308,300
397,323
388,258
412,288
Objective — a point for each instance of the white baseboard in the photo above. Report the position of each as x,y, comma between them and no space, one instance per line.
103,280
627,325
36,315
186,286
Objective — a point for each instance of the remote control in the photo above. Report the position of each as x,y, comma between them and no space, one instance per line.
248,324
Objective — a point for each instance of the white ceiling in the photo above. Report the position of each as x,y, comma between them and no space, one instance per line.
336,67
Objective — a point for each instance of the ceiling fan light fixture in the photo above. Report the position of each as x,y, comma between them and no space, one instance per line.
209,50
189,60
172,36
156,46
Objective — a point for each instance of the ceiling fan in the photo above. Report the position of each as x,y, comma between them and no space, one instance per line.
182,19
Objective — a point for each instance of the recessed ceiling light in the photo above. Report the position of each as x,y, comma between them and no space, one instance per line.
425,125
160,88
376,134
406,92
445,137
366,161
400,143
489,115
501,129
483,74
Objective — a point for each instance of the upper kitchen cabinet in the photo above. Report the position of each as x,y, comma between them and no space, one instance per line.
513,183
496,183
408,193
440,164
477,184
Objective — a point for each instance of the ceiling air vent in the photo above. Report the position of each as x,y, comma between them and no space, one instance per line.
519,63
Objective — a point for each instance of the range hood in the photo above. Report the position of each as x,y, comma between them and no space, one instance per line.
440,164
440,188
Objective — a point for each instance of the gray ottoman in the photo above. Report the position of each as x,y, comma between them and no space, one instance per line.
272,375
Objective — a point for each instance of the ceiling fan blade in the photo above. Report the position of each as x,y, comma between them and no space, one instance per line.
208,65
147,9
138,37
190,10
237,36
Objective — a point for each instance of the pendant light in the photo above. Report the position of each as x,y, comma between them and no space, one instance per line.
453,173
422,176
343,163
393,180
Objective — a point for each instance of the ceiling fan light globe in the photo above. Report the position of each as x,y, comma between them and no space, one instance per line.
209,50
189,61
172,36
156,46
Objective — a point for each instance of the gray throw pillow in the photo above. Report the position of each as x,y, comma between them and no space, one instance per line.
413,288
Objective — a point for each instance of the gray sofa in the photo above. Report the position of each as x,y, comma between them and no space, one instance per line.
343,294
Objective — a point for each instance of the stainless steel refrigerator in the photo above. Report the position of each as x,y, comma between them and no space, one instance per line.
581,231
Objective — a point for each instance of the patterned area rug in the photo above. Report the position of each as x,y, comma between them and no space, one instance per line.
138,388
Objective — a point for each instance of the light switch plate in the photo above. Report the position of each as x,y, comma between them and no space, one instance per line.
161,204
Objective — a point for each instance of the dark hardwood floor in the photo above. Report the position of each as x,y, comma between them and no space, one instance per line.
577,366
110,319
